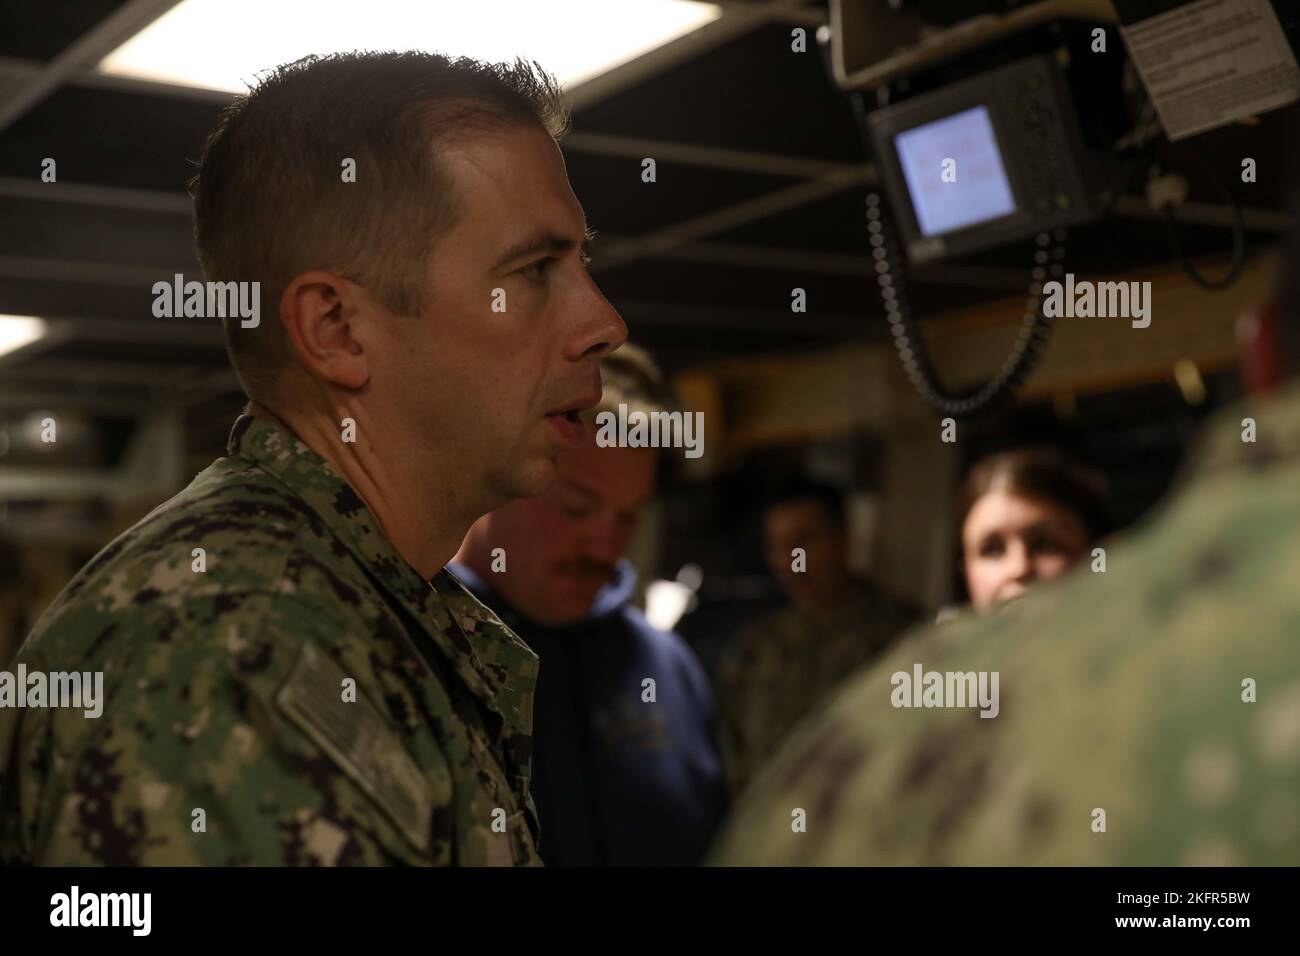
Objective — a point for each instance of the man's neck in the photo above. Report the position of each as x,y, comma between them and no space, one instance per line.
427,541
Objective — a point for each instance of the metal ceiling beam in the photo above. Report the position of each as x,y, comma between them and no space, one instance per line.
68,380
17,69
766,257
106,399
142,374
181,332
708,157
91,47
108,197
736,20
719,253
659,315
93,273
772,258
661,243
739,214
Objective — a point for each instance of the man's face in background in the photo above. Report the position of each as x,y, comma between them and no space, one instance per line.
562,547
808,524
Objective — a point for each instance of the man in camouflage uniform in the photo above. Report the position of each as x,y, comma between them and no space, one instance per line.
778,671
1148,714
290,676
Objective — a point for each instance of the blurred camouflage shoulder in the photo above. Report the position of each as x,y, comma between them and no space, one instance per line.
1159,699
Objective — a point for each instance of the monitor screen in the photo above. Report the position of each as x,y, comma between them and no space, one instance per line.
979,192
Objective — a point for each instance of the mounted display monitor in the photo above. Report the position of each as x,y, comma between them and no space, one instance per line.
986,161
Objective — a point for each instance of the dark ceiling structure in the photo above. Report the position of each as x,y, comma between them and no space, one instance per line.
761,178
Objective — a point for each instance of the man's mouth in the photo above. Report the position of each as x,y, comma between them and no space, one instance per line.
566,420
568,426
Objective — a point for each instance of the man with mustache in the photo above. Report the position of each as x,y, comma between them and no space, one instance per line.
622,776
292,678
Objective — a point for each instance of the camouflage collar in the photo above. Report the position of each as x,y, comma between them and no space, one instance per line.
314,480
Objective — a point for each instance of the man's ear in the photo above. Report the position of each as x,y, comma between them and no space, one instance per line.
319,311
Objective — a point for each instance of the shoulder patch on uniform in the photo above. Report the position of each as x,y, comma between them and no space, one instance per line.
358,739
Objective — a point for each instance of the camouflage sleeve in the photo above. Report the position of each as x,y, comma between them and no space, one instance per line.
730,683
237,746
697,680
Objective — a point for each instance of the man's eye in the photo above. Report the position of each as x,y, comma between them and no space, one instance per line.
538,269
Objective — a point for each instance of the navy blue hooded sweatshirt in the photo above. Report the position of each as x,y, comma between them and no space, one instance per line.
617,780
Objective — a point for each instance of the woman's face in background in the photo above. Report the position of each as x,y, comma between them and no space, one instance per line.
1011,540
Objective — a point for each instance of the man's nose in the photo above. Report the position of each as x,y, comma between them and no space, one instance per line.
601,329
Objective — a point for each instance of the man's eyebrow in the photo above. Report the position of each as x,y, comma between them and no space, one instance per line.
548,242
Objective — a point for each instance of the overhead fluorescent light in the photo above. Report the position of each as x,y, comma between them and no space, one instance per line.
224,44
19,330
